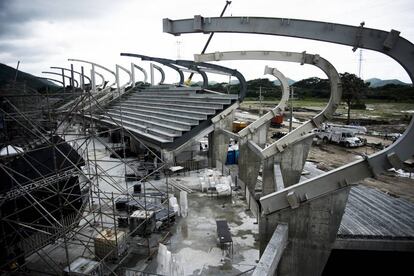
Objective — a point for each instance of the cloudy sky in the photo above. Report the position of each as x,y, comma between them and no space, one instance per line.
44,33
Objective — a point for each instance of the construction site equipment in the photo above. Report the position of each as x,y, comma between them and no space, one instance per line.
238,125
110,244
277,121
142,222
342,136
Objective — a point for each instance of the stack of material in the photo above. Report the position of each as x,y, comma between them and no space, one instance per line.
83,266
110,244
179,186
142,222
223,187
213,180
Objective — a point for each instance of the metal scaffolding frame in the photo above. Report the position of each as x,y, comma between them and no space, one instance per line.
53,231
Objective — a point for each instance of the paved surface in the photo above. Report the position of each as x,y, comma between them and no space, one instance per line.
194,240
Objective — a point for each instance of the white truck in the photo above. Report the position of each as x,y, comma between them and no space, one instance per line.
340,135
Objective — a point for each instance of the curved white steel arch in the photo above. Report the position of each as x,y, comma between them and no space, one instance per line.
102,79
68,70
96,65
301,58
54,73
133,66
159,70
120,87
50,79
389,43
285,89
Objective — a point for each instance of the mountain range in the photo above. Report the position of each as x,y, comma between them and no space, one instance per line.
7,74
375,82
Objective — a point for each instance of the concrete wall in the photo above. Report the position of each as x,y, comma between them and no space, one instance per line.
218,143
249,162
291,161
312,231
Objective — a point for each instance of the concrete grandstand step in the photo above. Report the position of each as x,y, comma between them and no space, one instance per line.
175,131
177,111
195,98
151,120
160,119
162,100
142,128
171,87
142,133
166,93
189,119
178,106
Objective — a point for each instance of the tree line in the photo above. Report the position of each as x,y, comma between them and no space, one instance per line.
315,87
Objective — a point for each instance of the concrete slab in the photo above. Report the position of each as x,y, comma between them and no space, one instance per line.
194,238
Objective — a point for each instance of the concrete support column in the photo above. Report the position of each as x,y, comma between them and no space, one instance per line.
249,166
218,142
168,157
313,227
249,162
135,146
269,176
292,160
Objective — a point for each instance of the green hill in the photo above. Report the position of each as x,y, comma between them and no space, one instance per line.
7,75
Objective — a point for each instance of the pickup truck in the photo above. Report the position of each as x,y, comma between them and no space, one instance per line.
341,136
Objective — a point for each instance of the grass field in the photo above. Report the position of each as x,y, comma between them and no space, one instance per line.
375,109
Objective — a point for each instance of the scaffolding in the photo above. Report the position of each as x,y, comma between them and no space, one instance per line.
49,220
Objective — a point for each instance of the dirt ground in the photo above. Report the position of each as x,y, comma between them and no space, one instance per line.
331,156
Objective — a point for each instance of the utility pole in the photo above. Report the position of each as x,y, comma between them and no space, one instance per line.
360,63
260,100
17,70
291,109
209,39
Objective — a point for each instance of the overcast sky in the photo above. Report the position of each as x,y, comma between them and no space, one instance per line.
44,33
